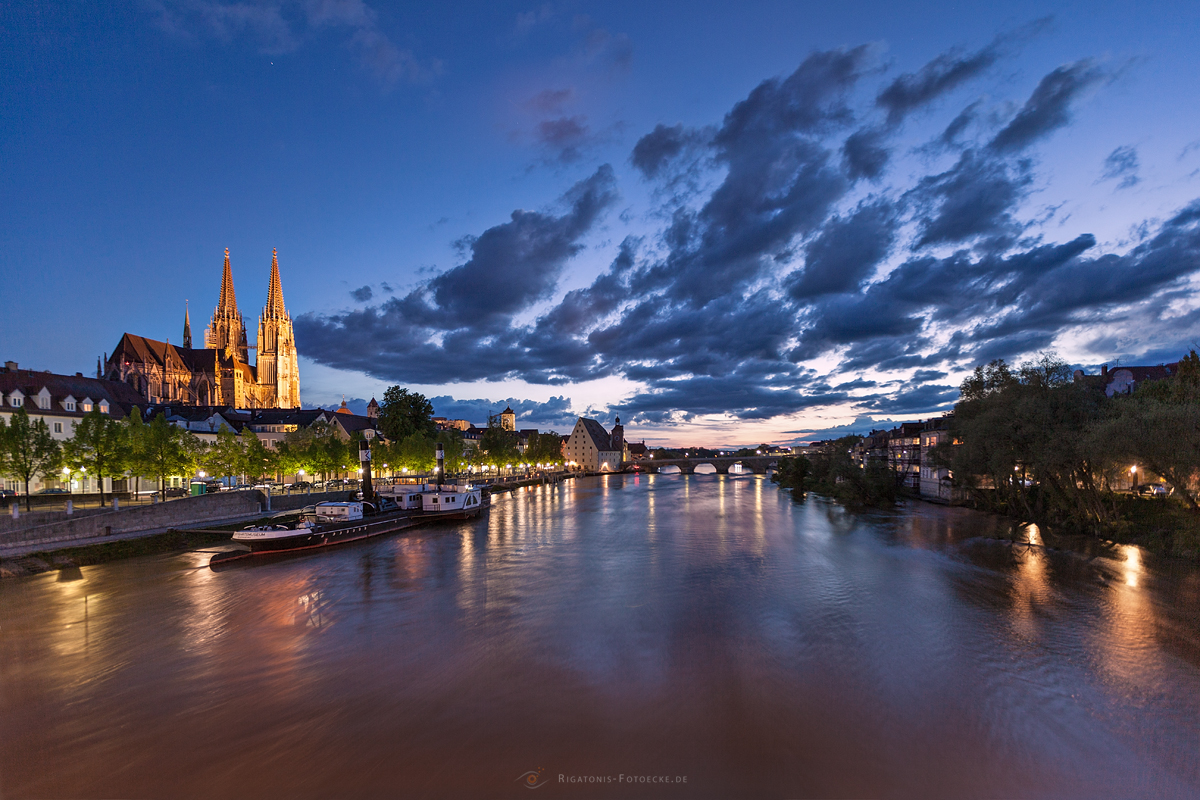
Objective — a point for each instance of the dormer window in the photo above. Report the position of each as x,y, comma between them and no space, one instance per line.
103,406
86,405
69,403
15,400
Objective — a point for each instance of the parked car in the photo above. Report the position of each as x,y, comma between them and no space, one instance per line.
1153,490
300,486
52,490
242,487
7,493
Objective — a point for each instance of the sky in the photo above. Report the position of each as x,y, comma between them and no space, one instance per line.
726,223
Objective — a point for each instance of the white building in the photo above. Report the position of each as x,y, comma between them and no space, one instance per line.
593,449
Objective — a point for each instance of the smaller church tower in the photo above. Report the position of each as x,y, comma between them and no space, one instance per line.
508,419
187,326
373,409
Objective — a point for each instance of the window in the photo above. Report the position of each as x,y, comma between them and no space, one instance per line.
15,402
58,427
44,402
70,405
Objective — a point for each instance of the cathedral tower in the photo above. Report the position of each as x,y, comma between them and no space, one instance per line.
277,370
187,326
227,332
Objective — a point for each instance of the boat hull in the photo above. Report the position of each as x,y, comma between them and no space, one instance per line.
324,535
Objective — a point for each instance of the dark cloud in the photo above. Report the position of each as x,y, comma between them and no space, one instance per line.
362,294
551,101
654,151
564,137
517,263
948,71
846,252
770,257
975,198
959,124
1049,107
1122,166
951,69
864,155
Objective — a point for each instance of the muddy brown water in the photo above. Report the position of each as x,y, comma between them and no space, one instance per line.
649,636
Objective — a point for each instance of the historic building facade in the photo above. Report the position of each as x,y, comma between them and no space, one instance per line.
219,374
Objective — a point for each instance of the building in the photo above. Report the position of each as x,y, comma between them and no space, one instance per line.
61,401
1123,380
220,373
593,449
935,481
508,419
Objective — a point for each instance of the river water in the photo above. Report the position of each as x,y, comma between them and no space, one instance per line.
706,635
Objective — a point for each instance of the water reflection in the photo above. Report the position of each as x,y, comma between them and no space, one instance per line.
699,625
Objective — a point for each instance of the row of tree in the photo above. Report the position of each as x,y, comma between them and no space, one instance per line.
1033,442
101,447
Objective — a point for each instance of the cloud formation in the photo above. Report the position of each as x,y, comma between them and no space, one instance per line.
794,271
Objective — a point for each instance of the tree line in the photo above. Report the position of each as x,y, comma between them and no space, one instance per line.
104,447
1033,442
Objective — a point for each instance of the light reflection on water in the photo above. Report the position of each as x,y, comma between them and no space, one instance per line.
697,625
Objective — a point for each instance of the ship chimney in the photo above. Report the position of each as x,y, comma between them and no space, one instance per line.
441,464
364,460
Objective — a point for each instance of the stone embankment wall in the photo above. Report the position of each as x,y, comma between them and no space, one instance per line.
30,519
187,512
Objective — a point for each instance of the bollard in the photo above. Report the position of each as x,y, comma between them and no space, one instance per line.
116,504
16,512
268,498
70,508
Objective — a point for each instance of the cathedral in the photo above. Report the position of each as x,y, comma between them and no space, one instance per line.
220,373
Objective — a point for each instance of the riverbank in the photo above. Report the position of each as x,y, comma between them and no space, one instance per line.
182,537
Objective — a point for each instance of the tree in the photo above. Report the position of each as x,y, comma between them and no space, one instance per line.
226,457
544,448
404,413
28,450
99,446
498,445
164,450
260,460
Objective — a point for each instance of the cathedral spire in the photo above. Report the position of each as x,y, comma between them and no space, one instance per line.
275,290
228,301
187,326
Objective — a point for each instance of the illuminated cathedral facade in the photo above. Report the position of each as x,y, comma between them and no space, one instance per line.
219,373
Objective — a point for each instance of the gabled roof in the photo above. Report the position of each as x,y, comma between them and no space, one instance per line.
595,431
120,396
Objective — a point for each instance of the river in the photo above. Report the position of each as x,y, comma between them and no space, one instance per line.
700,636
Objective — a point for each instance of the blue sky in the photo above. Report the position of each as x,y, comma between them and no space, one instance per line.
727,224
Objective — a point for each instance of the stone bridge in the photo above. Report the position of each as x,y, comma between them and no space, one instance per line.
756,464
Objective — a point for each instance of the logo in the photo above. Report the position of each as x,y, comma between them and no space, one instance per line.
532,779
